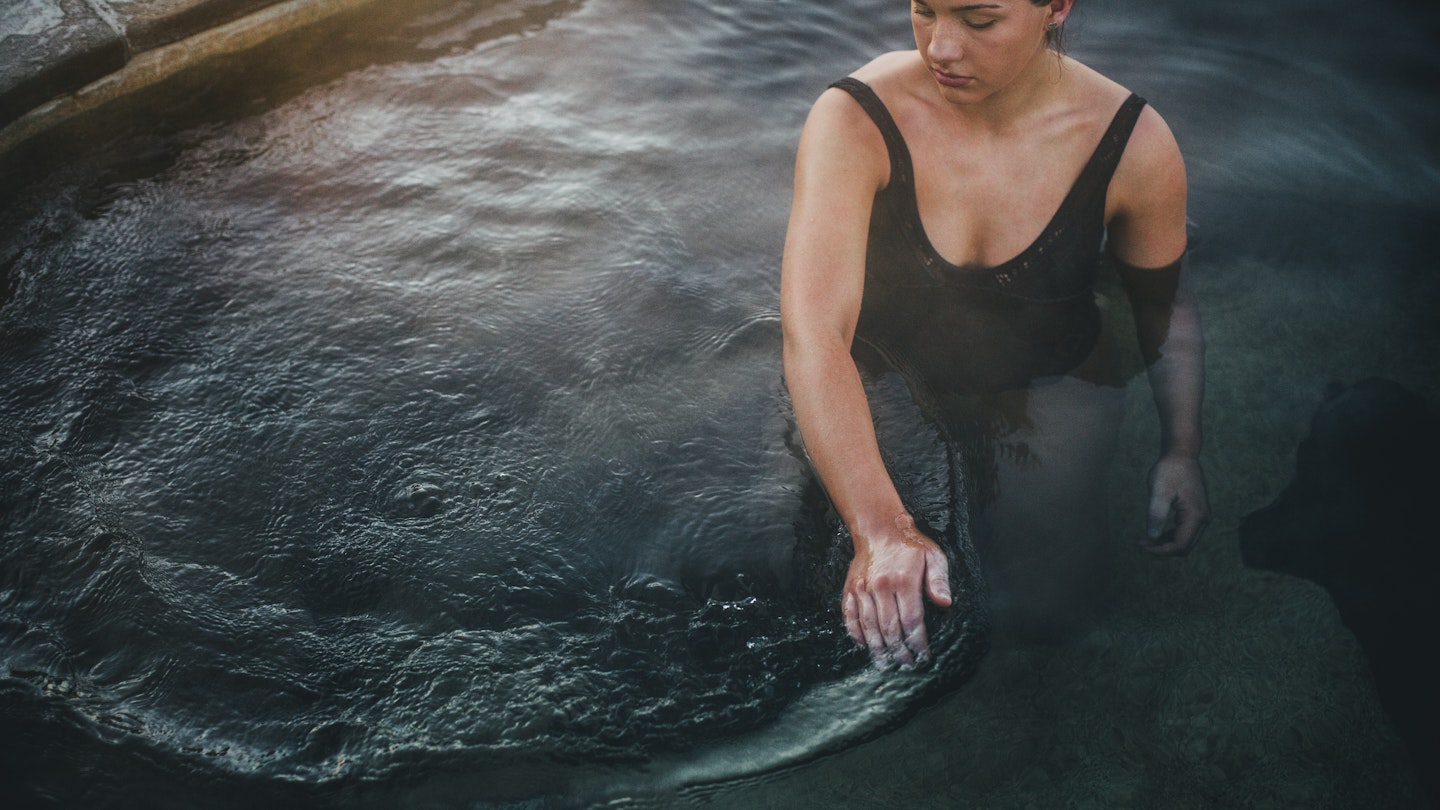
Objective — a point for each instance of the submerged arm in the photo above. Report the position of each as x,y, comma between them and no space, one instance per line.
1146,234
840,165
1168,329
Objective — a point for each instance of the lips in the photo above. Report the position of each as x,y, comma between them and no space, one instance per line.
953,80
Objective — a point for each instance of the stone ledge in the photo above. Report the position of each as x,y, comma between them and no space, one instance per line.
45,107
52,47
149,24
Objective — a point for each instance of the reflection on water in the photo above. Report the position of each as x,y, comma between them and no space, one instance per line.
463,459
365,438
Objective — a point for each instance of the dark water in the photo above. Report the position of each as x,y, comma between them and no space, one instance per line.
414,435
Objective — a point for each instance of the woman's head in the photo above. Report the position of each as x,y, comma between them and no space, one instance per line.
1051,14
976,48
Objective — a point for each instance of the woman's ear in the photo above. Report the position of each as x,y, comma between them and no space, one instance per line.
1059,10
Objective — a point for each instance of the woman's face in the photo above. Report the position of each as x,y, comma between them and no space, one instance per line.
975,48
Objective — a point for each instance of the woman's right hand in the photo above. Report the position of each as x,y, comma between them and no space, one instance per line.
883,603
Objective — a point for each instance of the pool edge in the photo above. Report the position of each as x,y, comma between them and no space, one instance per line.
153,67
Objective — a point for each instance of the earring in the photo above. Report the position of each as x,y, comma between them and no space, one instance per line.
1052,25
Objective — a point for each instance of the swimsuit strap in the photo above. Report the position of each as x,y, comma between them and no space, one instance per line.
1095,177
875,108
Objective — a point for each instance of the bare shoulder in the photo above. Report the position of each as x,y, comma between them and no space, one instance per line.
1145,204
1096,91
1151,161
1147,196
1085,84
1146,199
1153,154
836,108
839,134
888,70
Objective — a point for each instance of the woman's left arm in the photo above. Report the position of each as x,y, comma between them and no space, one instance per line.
1147,238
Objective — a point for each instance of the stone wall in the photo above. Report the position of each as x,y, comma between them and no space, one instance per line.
49,48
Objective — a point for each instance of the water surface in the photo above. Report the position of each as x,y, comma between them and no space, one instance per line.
348,431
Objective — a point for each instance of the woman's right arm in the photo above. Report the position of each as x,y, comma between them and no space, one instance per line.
841,163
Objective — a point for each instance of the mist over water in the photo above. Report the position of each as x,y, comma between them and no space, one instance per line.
419,434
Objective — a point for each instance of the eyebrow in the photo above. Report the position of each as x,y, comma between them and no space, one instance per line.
972,7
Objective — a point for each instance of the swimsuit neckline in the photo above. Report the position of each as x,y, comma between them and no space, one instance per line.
902,171
931,252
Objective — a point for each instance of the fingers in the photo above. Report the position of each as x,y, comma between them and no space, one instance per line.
1188,523
862,624
850,609
1189,520
915,642
937,577
884,601
1158,512
870,628
892,629
1157,540
1176,484
890,624
892,633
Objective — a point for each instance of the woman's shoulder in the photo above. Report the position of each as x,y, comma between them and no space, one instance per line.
1091,89
841,134
1146,195
1152,147
893,68
1151,139
886,76
896,79
1151,166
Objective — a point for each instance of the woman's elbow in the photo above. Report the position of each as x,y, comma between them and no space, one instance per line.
805,350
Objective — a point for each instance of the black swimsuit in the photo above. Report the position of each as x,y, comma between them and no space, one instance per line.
953,330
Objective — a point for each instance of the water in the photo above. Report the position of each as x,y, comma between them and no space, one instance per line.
408,433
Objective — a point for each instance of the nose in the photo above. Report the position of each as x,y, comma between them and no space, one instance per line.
946,42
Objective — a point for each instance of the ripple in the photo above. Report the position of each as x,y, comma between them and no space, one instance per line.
427,426
1278,119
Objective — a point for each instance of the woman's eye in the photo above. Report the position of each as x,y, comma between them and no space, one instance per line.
979,26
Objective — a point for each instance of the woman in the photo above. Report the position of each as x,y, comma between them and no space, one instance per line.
950,206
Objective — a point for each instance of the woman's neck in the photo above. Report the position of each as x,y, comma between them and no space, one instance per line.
1012,105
